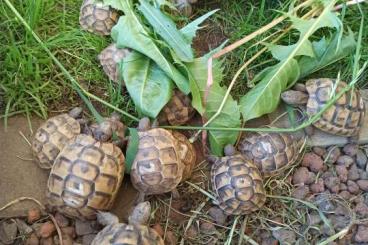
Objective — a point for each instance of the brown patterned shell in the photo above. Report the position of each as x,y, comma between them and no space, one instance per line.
127,234
109,59
85,177
51,137
188,154
238,185
178,110
345,117
97,18
271,152
157,167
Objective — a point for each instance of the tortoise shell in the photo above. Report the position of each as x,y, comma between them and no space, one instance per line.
127,234
109,59
97,17
345,116
157,167
178,110
237,184
187,152
85,177
271,152
51,137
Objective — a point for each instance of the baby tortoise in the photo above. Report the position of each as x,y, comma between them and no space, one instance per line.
185,6
96,17
345,117
237,183
135,233
157,167
51,137
86,177
271,152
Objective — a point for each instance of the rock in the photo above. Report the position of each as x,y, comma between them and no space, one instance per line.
361,159
333,153
361,209
363,184
61,220
23,228
32,240
85,227
34,214
342,172
341,210
353,188
217,215
353,173
323,203
207,228
320,151
343,187
47,229
313,162
140,214
326,230
314,219
69,230
170,238
358,199
339,222
333,184
301,192
47,241
87,239
269,241
363,175
362,234
8,231
345,195
327,174
158,228
191,232
301,176
351,149
318,187
284,236
345,160
67,240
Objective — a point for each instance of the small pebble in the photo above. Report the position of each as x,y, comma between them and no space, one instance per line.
326,230
84,227
333,153
333,184
217,215
343,187
318,187
353,188
67,240
351,149
301,176
47,229
32,240
69,230
314,219
313,162
47,241
320,151
324,204
361,209
362,234
363,175
158,228
345,195
301,192
61,220
327,174
339,222
34,214
361,159
363,184
353,173
345,160
342,172
285,236
207,228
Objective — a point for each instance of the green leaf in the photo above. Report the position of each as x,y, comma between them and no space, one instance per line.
116,4
130,33
281,52
265,96
230,115
327,52
132,149
189,31
149,87
166,29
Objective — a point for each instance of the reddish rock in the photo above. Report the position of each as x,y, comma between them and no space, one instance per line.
353,188
318,187
34,214
69,230
363,184
158,228
343,187
333,184
61,220
362,234
353,173
320,151
301,192
361,209
301,176
217,215
33,240
342,172
207,228
361,159
351,149
345,160
333,153
47,229
47,241
345,195
313,162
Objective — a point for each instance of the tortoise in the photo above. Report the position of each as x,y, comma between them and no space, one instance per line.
136,232
345,117
104,131
237,183
98,18
271,152
109,59
178,110
157,167
85,177
185,6
188,155
51,137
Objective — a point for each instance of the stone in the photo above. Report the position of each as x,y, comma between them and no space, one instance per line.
343,187
47,241
301,192
353,188
84,227
361,234
8,231
363,184
326,230
313,162
351,149
87,239
32,240
23,228
314,219
47,229
345,160
320,151
207,228
301,176
284,236
353,173
361,209
333,153
69,230
61,220
342,172
327,174
361,159
339,222
34,214
217,215
333,184
318,187
324,204
363,175
345,195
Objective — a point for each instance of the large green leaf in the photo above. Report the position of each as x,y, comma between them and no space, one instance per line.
265,96
166,29
116,4
327,52
149,87
129,32
132,149
230,115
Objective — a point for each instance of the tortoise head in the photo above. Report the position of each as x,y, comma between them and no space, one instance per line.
103,132
229,150
140,214
297,96
144,124
184,7
76,112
